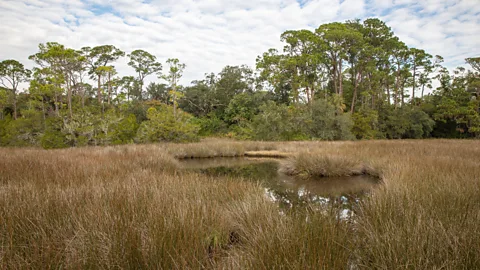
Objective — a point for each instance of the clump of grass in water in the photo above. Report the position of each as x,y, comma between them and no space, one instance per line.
318,164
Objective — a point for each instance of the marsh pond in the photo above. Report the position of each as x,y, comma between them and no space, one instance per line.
339,194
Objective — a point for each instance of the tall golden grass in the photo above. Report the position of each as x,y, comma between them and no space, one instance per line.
133,207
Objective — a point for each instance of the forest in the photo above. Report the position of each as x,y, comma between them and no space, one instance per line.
343,81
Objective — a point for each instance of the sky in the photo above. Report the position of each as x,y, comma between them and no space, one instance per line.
207,35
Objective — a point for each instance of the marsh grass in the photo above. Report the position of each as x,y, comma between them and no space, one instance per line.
118,207
133,207
317,164
267,154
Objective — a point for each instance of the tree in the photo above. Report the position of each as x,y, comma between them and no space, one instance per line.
107,72
175,72
158,91
130,87
62,63
101,56
3,100
474,77
199,99
162,125
474,62
336,38
144,64
231,81
420,61
274,72
305,60
400,57
12,73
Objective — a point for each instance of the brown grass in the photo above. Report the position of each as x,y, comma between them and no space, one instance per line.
267,154
132,207
315,164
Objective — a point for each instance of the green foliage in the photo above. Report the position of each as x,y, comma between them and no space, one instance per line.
421,125
243,107
24,131
125,131
365,124
53,137
211,125
300,93
79,129
162,125
406,123
321,120
144,64
274,123
328,123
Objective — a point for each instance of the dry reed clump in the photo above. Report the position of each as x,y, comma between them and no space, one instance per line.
318,164
267,154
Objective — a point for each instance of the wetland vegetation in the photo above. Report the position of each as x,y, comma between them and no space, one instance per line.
244,169
137,206
342,81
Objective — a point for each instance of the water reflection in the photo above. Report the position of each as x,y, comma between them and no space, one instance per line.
337,194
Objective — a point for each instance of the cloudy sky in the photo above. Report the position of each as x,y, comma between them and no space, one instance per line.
209,34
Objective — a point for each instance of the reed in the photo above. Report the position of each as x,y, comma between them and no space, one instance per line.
134,207
317,164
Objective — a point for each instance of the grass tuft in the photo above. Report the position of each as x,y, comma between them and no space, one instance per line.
317,164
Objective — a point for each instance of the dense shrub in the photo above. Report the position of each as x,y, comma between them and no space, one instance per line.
164,125
321,120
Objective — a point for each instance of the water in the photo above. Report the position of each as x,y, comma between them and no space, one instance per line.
339,194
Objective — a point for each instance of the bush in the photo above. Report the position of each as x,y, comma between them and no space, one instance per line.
211,125
162,125
125,131
53,137
25,131
406,123
320,120
365,124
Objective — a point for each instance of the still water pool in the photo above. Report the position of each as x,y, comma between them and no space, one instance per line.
339,194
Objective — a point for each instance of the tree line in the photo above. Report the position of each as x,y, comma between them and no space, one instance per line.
344,80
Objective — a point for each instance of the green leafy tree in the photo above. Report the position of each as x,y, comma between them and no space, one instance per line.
54,137
144,64
163,125
175,72
336,39
101,56
243,107
158,91
3,100
125,131
61,63
365,124
12,74
199,99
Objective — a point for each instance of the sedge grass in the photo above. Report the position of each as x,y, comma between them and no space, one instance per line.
133,207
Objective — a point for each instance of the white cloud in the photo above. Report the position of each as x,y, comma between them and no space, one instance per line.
210,34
